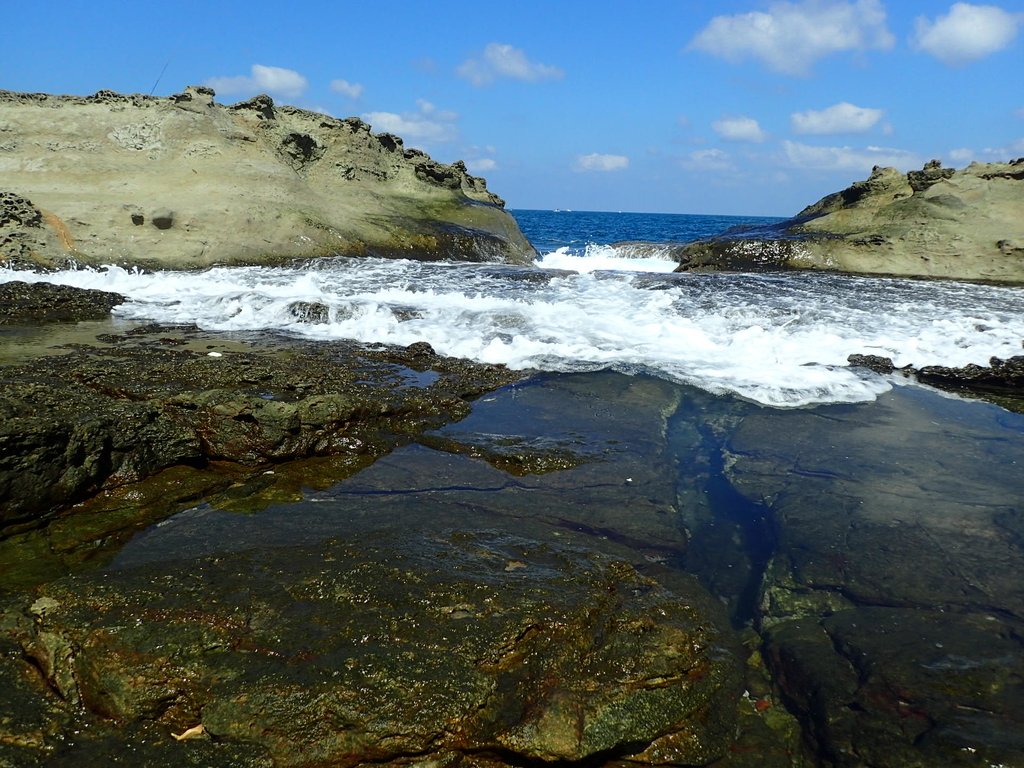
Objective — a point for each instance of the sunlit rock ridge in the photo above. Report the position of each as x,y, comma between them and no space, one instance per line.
938,222
184,182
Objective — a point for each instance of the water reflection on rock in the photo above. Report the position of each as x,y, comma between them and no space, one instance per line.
589,567
892,605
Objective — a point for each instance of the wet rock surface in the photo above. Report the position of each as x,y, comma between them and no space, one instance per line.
897,687
891,608
22,303
1000,382
467,604
394,645
105,415
588,569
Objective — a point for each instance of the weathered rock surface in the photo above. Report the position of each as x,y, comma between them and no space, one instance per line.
998,375
891,607
937,222
391,648
129,406
22,302
305,610
183,182
1001,381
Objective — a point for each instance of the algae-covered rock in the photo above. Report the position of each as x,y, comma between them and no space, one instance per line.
936,222
22,302
396,644
104,415
184,183
897,687
891,607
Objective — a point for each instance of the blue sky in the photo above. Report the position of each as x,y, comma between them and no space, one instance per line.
724,107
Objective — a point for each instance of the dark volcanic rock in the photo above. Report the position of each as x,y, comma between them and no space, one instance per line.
42,302
396,645
1000,382
998,375
891,605
896,687
875,363
741,255
101,417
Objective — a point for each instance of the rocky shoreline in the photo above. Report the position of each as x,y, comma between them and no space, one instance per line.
934,223
152,399
1001,381
471,640
185,183
248,550
211,542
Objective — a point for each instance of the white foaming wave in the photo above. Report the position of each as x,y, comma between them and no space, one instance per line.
780,340
611,258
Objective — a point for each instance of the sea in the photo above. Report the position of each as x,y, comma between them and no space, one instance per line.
595,300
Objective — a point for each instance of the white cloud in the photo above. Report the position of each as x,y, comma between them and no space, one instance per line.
276,81
814,158
964,156
791,36
427,124
481,165
739,129
345,88
839,118
598,162
502,60
479,158
968,32
708,160
444,115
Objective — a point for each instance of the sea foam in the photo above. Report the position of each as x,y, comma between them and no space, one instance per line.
616,258
780,339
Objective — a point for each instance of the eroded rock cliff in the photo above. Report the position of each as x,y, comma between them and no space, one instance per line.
966,224
184,182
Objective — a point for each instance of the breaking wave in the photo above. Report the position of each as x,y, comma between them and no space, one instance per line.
780,339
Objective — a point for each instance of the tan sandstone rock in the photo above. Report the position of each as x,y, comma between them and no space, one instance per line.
183,182
966,224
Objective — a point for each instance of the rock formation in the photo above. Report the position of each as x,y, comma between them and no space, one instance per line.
452,647
184,182
966,224
130,406
1000,382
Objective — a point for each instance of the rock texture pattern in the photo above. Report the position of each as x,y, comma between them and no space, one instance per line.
183,182
102,417
397,646
966,224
